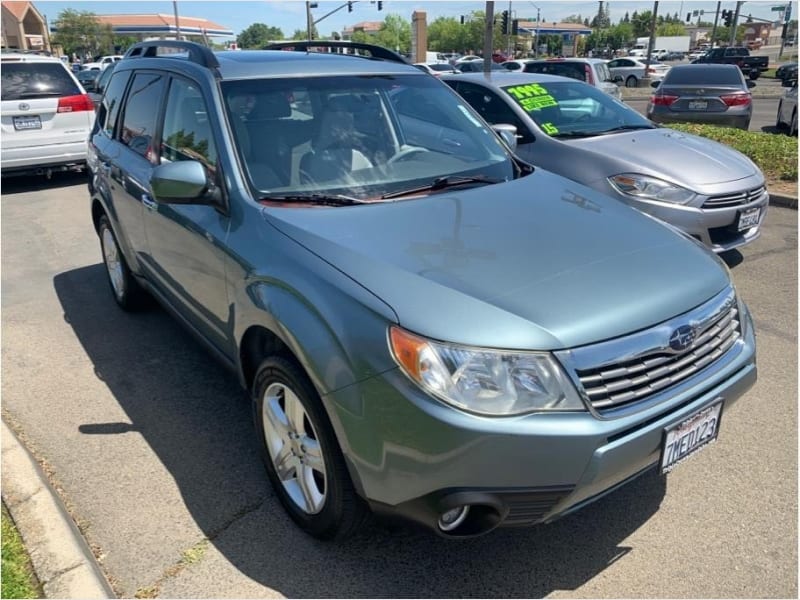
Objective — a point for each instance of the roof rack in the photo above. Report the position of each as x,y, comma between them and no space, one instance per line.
196,53
306,45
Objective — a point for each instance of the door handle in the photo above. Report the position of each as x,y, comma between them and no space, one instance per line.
149,202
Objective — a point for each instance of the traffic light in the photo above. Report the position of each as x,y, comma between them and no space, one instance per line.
380,5
515,27
462,19
349,7
727,17
688,17
504,22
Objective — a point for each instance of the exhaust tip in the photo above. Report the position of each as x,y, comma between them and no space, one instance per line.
450,519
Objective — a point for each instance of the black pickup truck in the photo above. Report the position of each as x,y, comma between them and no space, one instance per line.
751,66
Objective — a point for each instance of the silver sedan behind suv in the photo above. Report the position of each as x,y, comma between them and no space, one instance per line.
710,191
713,94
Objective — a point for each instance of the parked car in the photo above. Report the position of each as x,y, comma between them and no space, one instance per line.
476,66
694,55
436,69
707,189
101,62
87,78
714,94
515,65
427,325
96,92
593,71
751,66
46,116
786,72
631,70
787,111
672,55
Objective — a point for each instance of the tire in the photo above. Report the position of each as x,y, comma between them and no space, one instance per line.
793,126
754,74
779,125
124,287
296,438
631,82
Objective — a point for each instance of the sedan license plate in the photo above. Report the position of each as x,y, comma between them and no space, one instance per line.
690,436
698,104
27,122
749,218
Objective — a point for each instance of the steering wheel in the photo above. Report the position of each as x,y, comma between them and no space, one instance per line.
404,153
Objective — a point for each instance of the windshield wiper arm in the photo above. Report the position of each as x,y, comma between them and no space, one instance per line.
441,183
325,199
625,128
574,134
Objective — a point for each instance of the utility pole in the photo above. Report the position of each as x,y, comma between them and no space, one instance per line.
716,20
309,21
177,23
508,35
645,81
734,24
488,41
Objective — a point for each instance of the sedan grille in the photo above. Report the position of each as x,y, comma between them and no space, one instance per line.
612,385
736,199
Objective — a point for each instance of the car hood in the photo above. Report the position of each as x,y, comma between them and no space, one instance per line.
684,158
538,263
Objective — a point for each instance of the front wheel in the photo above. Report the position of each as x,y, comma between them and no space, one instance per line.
631,82
301,454
754,74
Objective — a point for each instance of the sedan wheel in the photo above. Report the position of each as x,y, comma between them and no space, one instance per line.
631,82
793,126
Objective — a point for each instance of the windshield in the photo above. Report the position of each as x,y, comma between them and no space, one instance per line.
360,136
567,108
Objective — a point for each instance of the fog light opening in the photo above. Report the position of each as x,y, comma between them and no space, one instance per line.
452,518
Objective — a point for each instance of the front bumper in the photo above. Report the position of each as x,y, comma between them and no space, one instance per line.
413,457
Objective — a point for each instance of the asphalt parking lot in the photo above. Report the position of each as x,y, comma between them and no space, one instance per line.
150,444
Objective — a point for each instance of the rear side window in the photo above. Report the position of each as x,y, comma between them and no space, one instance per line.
141,110
107,115
36,80
571,70
701,76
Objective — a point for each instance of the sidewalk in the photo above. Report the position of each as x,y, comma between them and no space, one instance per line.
61,558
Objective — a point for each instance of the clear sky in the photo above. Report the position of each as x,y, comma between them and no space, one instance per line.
289,15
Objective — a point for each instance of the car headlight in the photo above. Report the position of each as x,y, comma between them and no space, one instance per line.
484,381
650,188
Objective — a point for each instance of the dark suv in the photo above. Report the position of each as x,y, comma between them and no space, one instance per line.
428,326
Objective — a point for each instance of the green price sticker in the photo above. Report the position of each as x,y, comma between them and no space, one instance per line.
549,128
537,103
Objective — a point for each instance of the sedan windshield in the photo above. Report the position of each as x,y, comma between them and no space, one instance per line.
573,109
360,137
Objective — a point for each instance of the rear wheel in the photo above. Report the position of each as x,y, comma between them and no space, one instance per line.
793,126
778,123
754,74
301,454
631,82
127,291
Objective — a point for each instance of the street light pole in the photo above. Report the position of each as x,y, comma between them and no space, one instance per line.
536,37
177,23
734,24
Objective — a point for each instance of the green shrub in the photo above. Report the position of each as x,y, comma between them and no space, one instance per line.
775,155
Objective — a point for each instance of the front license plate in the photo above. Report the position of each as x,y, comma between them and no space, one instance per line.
749,218
698,104
684,439
27,122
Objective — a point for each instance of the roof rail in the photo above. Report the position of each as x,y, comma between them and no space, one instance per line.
196,53
305,45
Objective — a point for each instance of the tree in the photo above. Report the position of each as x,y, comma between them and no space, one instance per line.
395,34
669,29
302,34
80,32
573,19
258,35
446,34
641,23
626,18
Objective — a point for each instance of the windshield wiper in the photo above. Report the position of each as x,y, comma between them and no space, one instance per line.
441,183
624,128
574,134
324,199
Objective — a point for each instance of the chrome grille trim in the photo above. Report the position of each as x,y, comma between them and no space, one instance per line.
626,370
736,199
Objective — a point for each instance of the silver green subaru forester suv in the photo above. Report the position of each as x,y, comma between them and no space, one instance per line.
428,326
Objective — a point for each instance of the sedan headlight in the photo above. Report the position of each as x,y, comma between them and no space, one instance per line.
650,188
484,381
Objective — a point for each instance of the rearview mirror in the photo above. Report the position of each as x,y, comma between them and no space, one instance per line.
655,84
508,133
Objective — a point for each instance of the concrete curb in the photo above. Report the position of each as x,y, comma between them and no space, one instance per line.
61,558
783,200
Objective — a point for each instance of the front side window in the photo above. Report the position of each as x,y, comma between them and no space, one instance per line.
141,110
361,136
186,134
493,108
571,109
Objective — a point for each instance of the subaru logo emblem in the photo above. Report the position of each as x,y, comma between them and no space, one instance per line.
682,338
24,106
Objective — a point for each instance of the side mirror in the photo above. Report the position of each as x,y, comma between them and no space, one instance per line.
655,84
181,182
618,79
508,133
751,84
788,82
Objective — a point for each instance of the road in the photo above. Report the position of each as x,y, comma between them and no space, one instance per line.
151,445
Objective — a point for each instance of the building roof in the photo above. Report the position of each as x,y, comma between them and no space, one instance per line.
18,9
160,24
365,26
